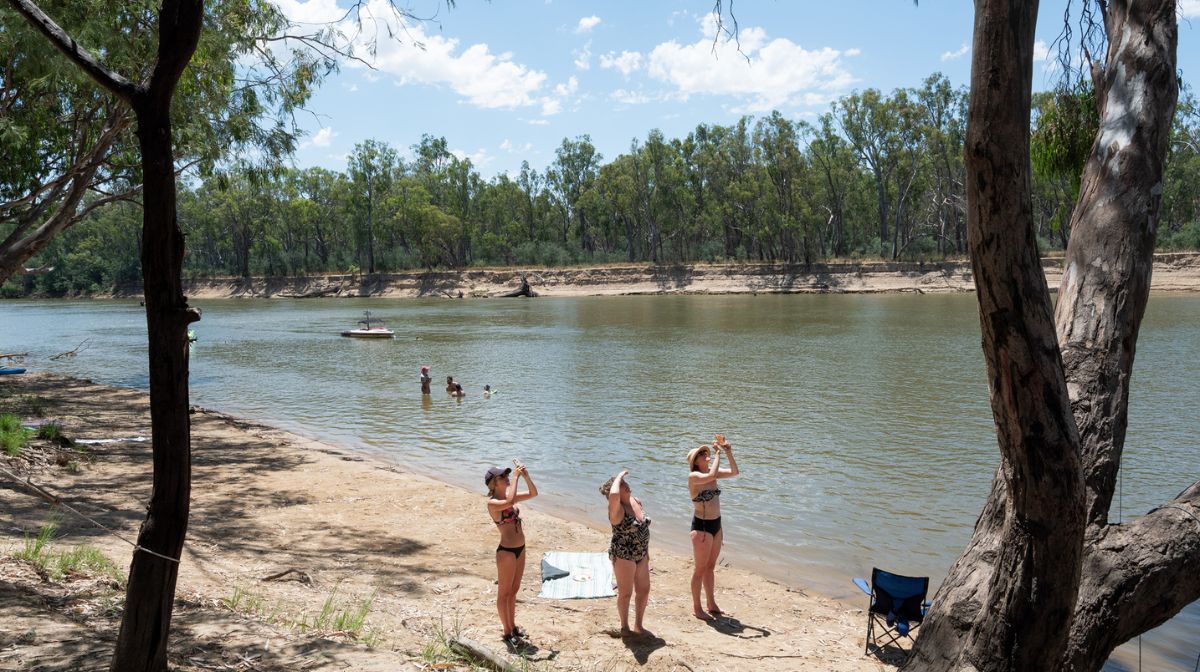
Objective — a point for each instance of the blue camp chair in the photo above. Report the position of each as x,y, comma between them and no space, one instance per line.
897,607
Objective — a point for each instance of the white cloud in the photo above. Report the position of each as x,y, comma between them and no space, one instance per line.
353,88
583,57
1190,9
1041,52
626,61
539,122
587,23
413,56
955,55
479,158
627,97
765,74
506,145
323,138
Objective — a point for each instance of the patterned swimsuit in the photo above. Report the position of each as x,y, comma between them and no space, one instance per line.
630,538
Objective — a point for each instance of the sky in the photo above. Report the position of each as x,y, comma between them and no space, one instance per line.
506,81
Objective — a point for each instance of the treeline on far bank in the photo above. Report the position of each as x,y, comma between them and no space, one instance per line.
878,176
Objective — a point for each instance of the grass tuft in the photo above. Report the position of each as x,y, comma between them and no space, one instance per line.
50,431
13,437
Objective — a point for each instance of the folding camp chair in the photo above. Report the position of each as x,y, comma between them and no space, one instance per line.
897,607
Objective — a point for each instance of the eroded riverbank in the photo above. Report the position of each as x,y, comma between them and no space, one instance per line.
1172,272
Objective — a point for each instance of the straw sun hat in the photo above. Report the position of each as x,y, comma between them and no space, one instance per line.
695,452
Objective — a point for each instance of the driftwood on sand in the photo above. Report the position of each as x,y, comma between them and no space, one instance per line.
524,290
481,653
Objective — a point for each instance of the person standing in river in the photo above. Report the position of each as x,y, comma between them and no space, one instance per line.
707,536
629,550
426,379
450,384
503,498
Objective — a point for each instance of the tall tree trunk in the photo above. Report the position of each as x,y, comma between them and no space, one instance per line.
1016,617
1137,575
881,197
150,594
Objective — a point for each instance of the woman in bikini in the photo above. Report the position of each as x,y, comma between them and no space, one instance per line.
706,518
510,554
629,550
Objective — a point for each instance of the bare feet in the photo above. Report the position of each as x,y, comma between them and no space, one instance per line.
701,614
626,632
715,610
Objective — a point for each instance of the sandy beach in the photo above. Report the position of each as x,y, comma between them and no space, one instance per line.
1175,271
353,529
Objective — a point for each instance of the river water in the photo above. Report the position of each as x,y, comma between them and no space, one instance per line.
861,423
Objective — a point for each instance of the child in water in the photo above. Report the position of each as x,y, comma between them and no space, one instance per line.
458,391
487,391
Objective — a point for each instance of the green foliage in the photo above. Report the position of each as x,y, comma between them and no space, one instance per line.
880,174
1063,134
36,548
81,560
50,431
13,437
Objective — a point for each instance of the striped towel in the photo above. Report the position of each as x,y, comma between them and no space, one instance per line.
588,575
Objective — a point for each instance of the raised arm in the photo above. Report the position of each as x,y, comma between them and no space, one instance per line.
706,477
510,496
614,499
522,470
733,468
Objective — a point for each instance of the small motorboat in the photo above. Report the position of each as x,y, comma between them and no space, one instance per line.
369,328
10,370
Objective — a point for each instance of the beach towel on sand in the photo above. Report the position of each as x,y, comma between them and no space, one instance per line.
587,575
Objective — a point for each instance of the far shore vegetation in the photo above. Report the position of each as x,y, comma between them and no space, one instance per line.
879,176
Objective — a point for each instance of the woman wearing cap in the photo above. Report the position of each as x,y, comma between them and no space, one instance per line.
510,554
706,518
426,379
629,550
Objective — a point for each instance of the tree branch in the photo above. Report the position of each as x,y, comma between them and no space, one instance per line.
114,82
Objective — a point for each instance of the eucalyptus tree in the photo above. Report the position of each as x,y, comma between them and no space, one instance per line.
1047,581
82,137
869,121
372,170
576,164
837,184
943,119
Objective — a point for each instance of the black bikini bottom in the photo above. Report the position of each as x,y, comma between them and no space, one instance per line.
517,551
710,526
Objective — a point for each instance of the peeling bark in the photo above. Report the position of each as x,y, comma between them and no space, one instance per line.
1130,577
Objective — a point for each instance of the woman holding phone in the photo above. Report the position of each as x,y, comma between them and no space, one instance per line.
704,466
629,550
503,498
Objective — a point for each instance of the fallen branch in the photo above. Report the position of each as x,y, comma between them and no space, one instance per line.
481,652
300,575
71,353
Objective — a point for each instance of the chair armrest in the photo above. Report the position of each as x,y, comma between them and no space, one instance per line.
862,585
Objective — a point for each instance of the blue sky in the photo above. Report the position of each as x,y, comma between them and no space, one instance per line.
507,80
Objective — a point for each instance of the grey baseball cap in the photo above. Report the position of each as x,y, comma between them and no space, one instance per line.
494,472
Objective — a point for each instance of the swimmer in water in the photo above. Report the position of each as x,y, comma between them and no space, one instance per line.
450,384
426,379
458,391
487,391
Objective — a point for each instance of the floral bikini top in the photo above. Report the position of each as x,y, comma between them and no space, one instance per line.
707,495
510,515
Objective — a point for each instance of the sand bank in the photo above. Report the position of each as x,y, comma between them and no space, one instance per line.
265,501
1172,272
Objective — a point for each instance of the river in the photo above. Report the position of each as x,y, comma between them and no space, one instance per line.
861,423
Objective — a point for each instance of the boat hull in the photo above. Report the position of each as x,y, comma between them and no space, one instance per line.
10,370
369,333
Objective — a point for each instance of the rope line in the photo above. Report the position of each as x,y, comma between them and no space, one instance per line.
58,501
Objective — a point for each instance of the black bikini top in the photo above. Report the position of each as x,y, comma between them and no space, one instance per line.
706,495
